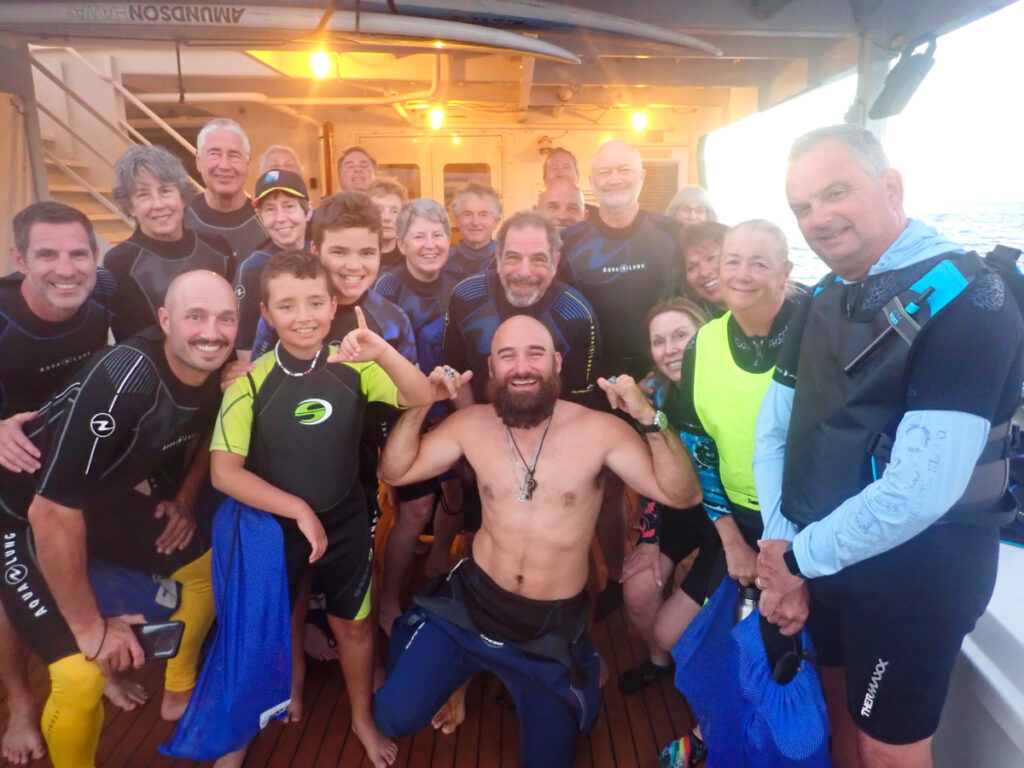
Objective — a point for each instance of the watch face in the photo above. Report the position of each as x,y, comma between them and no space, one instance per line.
660,420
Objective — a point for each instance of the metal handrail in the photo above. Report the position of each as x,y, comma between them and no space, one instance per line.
135,133
42,108
82,102
89,188
134,100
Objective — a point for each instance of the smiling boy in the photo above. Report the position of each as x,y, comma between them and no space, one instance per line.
308,398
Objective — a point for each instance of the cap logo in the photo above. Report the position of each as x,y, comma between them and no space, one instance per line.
272,175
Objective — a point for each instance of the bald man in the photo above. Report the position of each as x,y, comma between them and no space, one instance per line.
561,201
122,452
516,606
622,260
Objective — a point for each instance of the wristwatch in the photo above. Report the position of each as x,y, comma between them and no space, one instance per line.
658,424
789,558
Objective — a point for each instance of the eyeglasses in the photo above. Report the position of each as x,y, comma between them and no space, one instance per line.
696,211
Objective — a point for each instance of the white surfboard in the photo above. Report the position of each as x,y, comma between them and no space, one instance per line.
222,22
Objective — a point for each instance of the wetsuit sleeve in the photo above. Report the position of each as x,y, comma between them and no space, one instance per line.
933,457
98,427
263,340
964,375
405,341
682,414
453,346
376,384
247,288
585,344
769,454
233,430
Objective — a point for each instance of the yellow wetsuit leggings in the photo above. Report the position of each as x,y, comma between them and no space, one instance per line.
73,715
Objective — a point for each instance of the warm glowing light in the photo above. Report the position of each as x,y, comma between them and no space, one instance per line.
436,118
438,44
639,121
320,63
456,139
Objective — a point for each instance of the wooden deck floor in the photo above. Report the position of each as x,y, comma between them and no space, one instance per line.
630,730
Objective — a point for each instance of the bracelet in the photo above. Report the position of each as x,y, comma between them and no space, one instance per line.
103,639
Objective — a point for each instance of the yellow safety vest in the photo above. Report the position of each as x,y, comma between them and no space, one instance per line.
727,400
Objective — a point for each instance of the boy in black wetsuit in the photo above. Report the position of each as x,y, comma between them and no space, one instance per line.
307,399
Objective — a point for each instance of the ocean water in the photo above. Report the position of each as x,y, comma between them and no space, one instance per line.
976,226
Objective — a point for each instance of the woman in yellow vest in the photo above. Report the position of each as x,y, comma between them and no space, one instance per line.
723,378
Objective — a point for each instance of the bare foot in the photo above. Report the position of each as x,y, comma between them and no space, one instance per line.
232,759
174,704
380,750
22,740
124,692
452,712
602,677
390,609
317,644
294,713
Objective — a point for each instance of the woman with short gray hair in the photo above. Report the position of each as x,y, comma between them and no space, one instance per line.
152,187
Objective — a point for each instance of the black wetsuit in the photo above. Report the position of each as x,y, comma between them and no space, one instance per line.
389,260
247,290
239,227
123,422
477,307
464,261
144,268
36,356
622,273
278,422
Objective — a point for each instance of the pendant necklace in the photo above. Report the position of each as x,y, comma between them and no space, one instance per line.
277,357
528,484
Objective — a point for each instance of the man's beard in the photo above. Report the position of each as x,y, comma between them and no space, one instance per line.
523,410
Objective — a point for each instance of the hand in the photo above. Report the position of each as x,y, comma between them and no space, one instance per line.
741,561
788,611
445,386
232,371
17,453
772,572
313,530
647,384
112,644
360,345
181,526
645,558
624,394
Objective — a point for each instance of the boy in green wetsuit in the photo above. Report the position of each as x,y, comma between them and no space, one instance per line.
287,442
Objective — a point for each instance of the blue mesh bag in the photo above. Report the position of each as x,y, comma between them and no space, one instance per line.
246,679
747,719
785,725
121,591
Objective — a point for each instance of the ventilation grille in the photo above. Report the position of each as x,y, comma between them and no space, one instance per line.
660,185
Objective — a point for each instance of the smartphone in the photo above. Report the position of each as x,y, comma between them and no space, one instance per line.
159,641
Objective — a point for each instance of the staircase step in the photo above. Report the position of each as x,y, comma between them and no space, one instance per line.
69,162
74,189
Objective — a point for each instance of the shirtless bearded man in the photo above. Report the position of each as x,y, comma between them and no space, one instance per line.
517,607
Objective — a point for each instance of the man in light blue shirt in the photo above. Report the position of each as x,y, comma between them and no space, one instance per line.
879,458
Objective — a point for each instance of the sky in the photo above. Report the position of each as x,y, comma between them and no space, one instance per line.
960,139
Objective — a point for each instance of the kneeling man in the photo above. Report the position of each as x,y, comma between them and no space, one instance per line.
517,606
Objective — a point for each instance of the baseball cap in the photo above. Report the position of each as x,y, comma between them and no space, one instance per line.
280,180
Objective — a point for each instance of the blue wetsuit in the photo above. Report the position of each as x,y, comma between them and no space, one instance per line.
247,290
478,306
425,304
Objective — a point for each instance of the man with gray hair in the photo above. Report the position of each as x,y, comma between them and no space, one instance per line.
523,283
477,211
152,187
879,457
222,158
622,260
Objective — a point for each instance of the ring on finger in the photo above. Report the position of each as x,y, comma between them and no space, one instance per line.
448,372
612,379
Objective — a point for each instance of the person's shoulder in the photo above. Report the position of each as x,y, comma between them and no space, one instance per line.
471,288
570,303
120,256
388,285
573,234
